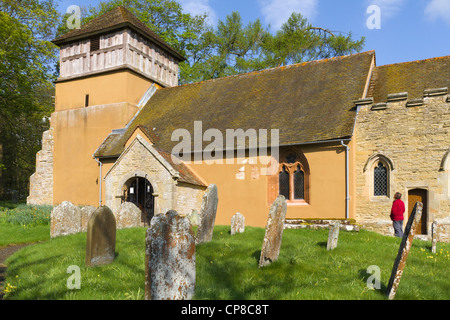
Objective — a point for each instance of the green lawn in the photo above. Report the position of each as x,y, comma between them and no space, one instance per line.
227,268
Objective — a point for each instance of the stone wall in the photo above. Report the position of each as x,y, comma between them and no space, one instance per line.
142,160
411,137
41,182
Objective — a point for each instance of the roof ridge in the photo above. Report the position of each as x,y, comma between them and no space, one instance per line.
300,64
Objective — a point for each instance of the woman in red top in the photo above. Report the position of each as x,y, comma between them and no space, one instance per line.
397,211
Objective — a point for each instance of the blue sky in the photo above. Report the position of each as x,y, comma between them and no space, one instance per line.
398,30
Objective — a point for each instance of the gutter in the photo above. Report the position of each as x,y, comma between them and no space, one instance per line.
99,182
347,179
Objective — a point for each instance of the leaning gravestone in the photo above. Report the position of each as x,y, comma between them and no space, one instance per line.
405,247
274,232
128,216
333,235
65,220
207,215
170,258
237,223
101,238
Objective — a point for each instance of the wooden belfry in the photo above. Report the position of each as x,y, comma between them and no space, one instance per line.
405,247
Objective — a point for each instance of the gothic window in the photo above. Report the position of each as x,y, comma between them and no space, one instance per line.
291,178
380,180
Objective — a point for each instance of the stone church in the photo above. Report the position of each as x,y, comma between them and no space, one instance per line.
337,137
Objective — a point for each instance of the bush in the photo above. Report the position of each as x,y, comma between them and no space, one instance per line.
26,215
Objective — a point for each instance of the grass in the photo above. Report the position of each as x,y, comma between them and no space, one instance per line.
227,268
21,223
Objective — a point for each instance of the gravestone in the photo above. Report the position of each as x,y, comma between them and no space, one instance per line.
194,218
434,236
274,232
208,212
128,216
86,213
237,223
170,258
405,247
101,238
333,235
65,220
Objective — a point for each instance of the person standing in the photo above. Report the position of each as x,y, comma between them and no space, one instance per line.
397,211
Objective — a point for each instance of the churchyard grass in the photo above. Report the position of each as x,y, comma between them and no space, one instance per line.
20,223
227,268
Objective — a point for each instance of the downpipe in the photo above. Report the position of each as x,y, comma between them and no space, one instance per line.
99,182
347,190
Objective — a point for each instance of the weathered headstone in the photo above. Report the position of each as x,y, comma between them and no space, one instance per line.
86,213
170,258
274,232
434,236
65,220
194,218
128,216
101,238
405,247
333,235
207,215
237,223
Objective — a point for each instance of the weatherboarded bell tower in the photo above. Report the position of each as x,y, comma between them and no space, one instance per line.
106,68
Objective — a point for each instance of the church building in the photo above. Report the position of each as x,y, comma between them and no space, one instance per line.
337,137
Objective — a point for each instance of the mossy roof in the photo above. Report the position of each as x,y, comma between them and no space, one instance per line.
115,19
306,102
411,77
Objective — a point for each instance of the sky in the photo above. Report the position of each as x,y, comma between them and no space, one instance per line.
398,30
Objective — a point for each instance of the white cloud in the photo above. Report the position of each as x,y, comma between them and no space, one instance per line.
277,12
389,8
438,9
199,7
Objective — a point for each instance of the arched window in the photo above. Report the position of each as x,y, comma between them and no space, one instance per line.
380,180
379,170
292,177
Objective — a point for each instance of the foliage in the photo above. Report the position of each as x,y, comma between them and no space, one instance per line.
227,268
26,215
26,69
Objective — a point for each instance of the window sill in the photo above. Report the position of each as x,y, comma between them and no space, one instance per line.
297,203
380,199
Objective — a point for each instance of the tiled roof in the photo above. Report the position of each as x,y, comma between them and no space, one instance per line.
307,102
411,77
118,18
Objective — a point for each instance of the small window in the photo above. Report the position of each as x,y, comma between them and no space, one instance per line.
86,101
95,43
380,179
284,183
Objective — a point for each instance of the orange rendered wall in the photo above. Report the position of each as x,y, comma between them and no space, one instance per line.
80,130
249,196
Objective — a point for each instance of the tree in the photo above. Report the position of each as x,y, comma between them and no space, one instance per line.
26,68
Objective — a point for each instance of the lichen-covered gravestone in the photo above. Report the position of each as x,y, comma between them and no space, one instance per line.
65,220
274,232
101,238
128,216
237,223
86,213
170,258
207,215
333,235
405,247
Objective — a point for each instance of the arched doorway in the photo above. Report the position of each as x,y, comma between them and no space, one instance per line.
140,191
419,195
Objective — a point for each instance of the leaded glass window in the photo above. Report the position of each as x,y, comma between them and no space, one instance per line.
284,183
380,180
299,184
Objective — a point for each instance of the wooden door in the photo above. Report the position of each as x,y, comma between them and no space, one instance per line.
419,195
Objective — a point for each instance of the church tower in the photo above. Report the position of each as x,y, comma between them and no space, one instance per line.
106,67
